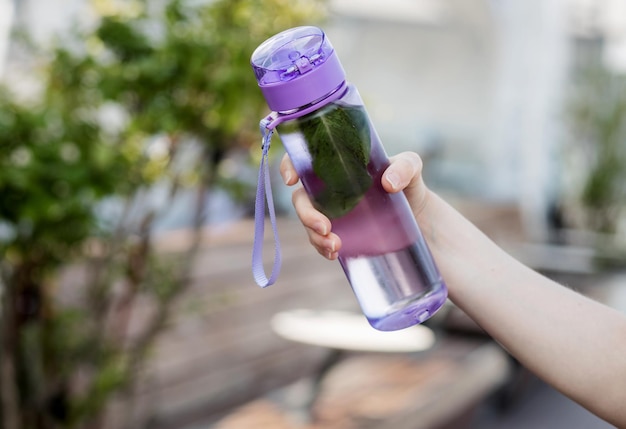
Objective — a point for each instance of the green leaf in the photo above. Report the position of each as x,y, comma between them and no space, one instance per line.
339,142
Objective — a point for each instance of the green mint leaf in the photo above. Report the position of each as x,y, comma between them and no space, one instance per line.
339,142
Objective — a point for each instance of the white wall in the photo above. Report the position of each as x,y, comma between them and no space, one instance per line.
425,76
6,20
532,70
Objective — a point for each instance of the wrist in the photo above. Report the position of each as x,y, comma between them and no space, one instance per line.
465,256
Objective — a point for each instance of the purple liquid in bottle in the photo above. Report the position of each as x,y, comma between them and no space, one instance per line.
383,254
328,135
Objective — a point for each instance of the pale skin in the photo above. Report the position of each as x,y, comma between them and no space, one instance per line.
573,343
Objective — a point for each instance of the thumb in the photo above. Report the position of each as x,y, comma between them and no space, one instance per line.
405,174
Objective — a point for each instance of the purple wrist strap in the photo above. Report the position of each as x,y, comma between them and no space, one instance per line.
264,190
263,193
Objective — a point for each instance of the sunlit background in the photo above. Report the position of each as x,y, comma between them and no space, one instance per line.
128,153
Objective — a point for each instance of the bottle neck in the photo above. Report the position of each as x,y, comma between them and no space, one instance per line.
276,118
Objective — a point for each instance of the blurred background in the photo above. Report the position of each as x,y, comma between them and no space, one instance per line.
129,149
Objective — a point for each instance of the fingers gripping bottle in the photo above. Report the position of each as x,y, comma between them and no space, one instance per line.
328,135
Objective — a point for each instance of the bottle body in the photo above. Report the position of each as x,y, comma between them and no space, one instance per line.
340,160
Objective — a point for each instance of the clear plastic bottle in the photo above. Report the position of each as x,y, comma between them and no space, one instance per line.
323,124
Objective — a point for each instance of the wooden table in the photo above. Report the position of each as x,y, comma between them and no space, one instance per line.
406,379
342,332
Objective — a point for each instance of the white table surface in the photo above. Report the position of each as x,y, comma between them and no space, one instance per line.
348,331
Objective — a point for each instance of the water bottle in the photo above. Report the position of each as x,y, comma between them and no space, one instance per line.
325,129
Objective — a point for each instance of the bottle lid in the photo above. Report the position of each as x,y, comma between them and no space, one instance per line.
296,67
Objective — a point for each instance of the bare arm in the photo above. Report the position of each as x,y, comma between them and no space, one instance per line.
575,344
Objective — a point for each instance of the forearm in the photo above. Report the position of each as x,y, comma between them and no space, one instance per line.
573,343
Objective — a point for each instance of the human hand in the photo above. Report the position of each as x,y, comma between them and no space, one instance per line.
403,174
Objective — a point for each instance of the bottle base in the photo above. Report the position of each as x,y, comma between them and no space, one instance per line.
413,312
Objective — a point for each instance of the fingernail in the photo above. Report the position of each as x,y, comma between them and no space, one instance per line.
320,228
287,177
393,179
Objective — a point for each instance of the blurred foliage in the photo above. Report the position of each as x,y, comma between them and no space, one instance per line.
118,105
598,123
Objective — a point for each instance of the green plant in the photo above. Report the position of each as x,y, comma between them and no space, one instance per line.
598,121
180,73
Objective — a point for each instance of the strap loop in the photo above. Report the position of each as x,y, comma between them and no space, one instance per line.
264,193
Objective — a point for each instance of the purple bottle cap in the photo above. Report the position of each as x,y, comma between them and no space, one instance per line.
296,67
